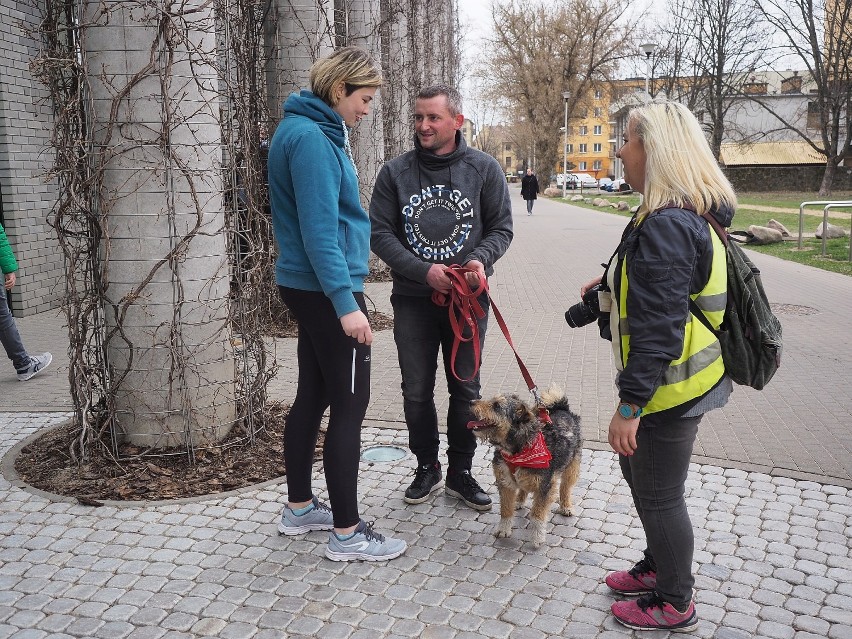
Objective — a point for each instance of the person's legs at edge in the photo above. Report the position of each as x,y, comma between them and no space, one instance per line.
656,474
530,206
417,335
9,335
460,439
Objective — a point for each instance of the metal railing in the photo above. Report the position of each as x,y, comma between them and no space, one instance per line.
826,204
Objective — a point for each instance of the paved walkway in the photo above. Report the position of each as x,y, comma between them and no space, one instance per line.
768,493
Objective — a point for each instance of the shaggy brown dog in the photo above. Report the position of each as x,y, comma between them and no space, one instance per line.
512,426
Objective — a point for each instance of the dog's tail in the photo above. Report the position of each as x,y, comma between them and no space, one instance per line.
554,399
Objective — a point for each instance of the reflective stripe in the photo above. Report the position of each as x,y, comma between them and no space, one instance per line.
712,303
693,365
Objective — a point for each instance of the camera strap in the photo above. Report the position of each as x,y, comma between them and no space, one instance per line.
465,310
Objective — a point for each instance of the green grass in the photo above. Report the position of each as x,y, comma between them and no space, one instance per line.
837,251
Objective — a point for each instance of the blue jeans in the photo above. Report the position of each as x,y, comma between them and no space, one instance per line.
656,474
420,327
9,334
530,203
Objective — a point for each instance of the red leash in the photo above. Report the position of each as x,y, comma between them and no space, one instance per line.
465,309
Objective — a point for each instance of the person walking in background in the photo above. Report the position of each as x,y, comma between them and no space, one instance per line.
323,238
27,366
442,203
670,369
529,190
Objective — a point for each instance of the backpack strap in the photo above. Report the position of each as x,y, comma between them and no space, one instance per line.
723,236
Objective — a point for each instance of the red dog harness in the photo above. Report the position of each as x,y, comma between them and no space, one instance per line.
536,455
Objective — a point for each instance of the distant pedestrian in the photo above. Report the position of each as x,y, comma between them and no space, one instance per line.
670,364
323,237
529,189
26,365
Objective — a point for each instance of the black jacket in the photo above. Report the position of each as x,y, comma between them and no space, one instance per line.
529,187
668,258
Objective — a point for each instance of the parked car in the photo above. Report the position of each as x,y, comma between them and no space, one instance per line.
575,180
619,185
604,183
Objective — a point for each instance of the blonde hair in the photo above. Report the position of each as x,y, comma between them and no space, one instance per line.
680,168
352,66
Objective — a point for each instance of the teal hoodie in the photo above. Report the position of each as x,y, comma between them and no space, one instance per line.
322,231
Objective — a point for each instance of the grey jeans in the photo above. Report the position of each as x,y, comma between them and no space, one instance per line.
9,334
656,474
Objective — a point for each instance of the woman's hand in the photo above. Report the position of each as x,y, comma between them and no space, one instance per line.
9,281
622,434
357,326
590,284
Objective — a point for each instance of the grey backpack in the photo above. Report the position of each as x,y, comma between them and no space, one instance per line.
750,333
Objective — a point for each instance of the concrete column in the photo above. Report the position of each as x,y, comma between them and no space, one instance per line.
155,122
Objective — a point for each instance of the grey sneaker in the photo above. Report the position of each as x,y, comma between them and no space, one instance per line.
37,364
317,518
365,544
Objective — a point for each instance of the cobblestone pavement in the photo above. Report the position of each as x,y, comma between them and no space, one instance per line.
772,558
768,494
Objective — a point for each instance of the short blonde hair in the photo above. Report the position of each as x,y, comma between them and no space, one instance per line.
680,168
352,66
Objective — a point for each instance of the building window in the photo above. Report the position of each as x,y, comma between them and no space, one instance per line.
598,130
507,146
813,116
584,130
597,165
583,166
569,148
508,161
584,148
598,94
598,112
597,147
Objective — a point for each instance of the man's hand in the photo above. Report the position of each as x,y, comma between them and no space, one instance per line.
622,434
478,274
10,281
356,325
437,278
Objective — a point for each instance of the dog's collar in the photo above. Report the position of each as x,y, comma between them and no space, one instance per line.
535,455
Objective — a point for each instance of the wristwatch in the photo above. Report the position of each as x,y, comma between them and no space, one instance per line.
629,411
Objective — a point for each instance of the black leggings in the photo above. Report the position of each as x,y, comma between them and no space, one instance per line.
334,370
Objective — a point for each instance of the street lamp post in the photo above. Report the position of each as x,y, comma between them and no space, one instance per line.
648,49
565,97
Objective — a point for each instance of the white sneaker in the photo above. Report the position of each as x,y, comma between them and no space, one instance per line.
317,518
37,364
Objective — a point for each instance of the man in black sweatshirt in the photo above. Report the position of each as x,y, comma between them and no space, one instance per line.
442,203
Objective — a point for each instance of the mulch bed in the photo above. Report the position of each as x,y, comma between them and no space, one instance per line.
46,464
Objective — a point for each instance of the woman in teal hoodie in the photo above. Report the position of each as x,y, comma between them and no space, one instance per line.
27,366
323,237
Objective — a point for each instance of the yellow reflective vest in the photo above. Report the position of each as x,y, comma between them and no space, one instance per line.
699,367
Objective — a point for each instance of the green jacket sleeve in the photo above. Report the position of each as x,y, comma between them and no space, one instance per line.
8,264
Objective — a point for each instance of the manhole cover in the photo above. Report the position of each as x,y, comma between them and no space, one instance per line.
383,454
793,309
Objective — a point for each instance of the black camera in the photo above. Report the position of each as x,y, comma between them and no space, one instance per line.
587,311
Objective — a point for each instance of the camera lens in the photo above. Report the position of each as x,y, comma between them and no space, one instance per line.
580,315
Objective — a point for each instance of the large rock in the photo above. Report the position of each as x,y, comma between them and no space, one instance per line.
599,201
623,206
775,224
577,198
831,232
765,235
552,191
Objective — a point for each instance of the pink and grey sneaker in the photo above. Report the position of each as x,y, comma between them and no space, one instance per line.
649,612
639,580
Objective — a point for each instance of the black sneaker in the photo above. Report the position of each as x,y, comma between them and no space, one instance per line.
462,485
427,478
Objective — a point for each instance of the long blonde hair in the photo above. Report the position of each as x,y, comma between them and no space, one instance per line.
680,168
352,66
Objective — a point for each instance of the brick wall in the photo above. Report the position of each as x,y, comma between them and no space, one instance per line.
25,155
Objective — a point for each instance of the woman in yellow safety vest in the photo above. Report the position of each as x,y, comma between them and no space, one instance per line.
670,369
